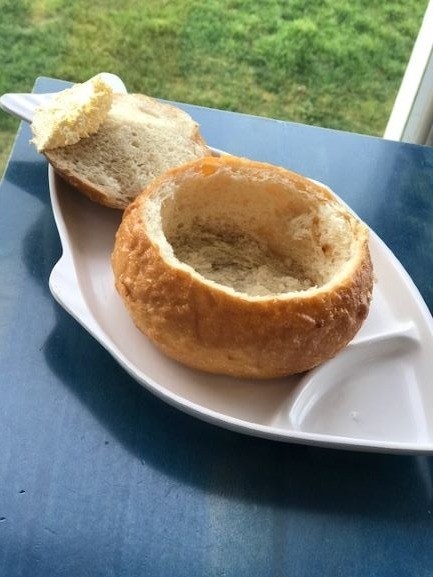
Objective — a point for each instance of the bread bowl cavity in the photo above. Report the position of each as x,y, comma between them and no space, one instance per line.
242,268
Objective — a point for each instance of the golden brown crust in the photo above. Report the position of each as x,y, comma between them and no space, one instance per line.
213,330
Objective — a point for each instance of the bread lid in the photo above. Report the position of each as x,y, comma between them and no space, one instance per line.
243,268
72,114
139,139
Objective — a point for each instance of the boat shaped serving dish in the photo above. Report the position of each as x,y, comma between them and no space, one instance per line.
377,394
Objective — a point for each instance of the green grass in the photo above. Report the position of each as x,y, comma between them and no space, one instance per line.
334,63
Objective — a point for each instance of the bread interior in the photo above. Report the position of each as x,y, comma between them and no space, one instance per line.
255,236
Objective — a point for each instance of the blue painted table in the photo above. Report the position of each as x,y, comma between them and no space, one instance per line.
100,478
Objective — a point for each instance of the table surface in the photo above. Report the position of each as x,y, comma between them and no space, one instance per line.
100,478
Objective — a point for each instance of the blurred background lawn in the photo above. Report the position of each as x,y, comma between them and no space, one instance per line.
333,63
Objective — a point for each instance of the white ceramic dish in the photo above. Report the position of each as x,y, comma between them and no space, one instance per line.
375,395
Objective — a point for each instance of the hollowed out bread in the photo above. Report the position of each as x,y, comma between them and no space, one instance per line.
242,268
139,139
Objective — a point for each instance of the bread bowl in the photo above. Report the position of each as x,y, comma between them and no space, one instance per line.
242,268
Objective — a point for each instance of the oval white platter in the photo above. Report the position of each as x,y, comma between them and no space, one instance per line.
376,395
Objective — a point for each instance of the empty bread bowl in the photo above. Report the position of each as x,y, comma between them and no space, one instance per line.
243,268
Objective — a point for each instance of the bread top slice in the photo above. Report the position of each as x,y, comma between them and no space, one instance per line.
139,140
72,114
